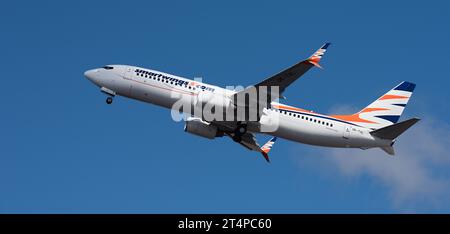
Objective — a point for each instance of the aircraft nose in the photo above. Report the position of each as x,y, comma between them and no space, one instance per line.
90,74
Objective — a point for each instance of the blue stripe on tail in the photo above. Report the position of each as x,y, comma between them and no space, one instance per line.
390,118
406,86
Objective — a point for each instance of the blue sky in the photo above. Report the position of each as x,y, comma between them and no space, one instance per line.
63,150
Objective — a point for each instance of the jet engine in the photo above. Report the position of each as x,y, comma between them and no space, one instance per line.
200,128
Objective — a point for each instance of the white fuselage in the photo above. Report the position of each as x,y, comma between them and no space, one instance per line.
291,123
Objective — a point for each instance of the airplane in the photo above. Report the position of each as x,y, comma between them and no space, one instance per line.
375,126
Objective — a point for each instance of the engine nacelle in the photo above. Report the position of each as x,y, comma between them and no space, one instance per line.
200,128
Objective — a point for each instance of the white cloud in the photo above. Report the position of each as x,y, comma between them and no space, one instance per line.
416,177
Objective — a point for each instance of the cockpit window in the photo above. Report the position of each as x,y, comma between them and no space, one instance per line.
108,67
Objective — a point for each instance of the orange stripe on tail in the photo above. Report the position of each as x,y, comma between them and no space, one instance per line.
372,109
390,96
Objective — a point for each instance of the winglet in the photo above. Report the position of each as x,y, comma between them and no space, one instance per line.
266,156
265,149
315,58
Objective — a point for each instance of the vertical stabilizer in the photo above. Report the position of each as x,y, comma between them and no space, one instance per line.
384,111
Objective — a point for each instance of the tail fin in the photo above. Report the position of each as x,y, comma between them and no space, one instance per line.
385,111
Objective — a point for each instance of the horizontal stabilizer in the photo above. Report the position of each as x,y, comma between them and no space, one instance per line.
393,131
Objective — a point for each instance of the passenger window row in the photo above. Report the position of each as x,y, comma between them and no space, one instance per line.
311,119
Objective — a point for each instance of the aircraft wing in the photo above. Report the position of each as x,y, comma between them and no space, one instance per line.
284,78
288,76
248,140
